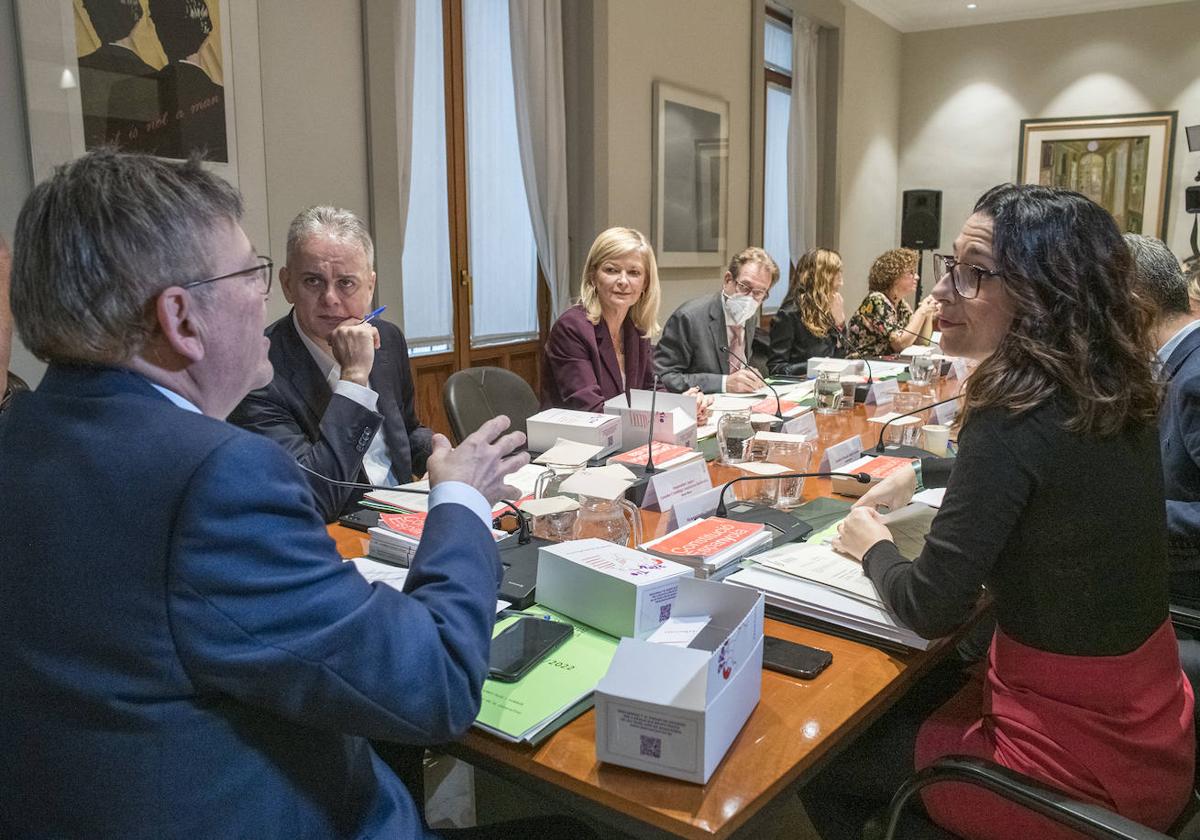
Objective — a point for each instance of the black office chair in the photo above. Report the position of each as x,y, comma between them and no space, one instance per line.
1090,820
15,385
475,395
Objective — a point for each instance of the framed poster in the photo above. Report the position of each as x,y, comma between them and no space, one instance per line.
691,177
152,76
1121,162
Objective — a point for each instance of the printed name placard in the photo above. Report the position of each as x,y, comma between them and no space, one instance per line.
882,393
805,424
697,506
665,489
840,454
944,414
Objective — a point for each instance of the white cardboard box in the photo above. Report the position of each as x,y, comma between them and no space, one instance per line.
546,427
842,367
682,722
676,417
618,590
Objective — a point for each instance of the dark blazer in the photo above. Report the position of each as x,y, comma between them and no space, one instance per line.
329,433
99,71
190,114
1179,436
793,344
579,365
688,353
182,652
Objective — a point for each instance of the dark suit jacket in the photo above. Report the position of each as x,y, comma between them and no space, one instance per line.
190,114
689,352
1179,434
329,433
793,344
579,365
183,654
99,71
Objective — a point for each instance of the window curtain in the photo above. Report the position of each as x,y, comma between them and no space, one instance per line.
802,140
535,28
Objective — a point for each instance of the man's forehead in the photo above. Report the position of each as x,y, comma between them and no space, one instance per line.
320,248
754,271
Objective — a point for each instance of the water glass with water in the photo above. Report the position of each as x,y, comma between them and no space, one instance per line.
828,392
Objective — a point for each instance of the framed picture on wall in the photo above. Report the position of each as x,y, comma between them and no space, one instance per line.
691,177
141,75
1121,162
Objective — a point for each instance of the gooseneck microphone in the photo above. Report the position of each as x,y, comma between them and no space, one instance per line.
879,447
929,341
524,534
861,478
650,468
759,377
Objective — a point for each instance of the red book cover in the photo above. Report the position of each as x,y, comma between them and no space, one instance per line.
767,406
409,524
705,538
663,452
883,466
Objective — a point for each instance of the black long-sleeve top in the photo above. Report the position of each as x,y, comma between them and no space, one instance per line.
1068,533
793,344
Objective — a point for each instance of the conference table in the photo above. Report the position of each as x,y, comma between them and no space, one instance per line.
797,725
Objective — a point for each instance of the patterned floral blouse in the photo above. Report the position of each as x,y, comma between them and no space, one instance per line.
874,321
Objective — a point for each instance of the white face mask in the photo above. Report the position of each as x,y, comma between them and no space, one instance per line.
739,308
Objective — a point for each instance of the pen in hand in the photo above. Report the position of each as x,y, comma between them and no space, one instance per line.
374,314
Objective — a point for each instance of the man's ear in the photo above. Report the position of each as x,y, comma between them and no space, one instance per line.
285,283
176,312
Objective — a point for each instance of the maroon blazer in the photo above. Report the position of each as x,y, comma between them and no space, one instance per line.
579,365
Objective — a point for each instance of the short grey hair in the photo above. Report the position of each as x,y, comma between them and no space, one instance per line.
100,239
335,222
1157,275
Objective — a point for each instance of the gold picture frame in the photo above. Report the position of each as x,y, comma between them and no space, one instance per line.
1123,162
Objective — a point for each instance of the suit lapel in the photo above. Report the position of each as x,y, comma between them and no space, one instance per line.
608,353
720,335
302,370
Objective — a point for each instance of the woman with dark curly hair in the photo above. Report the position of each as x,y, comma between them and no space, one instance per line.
1082,689
885,323
811,320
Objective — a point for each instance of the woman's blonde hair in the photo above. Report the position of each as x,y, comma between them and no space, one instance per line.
811,286
888,267
617,242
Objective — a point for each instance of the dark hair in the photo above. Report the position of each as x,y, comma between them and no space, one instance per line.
182,26
1158,275
113,19
98,240
1081,332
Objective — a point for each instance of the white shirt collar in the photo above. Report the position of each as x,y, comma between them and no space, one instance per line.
182,402
1164,352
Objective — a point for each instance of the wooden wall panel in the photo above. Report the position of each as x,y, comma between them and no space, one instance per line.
430,374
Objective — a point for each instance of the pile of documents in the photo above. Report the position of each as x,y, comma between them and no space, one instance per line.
711,546
554,692
666,456
414,496
397,536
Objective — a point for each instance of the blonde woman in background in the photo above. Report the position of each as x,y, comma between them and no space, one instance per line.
884,323
812,319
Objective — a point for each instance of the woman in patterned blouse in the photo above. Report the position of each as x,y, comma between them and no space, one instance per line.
884,323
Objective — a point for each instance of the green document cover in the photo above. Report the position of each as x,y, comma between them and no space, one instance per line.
556,686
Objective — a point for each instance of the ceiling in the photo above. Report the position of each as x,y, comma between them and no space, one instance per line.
918,15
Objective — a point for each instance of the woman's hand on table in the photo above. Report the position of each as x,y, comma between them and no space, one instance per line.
859,531
892,493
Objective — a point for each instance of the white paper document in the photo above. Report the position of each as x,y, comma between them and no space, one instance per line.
821,564
569,453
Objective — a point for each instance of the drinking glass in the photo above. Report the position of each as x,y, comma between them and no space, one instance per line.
764,491
733,430
829,392
907,431
797,457
922,369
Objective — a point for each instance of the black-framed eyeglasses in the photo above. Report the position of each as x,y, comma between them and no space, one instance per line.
265,270
965,276
745,288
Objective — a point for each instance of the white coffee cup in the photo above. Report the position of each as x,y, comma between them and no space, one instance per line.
936,438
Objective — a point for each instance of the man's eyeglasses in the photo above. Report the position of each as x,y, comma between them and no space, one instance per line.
265,270
965,276
746,289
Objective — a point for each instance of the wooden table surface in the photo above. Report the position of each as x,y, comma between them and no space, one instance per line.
796,724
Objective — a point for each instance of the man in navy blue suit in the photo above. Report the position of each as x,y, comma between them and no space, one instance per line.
342,398
182,652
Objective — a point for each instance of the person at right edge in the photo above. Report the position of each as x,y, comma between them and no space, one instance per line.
1082,688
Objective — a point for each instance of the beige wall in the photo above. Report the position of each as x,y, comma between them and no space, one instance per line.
868,146
965,92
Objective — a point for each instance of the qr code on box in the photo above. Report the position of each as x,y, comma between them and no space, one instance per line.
664,612
651,746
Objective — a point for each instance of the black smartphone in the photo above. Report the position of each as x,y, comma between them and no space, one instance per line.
523,644
794,659
360,520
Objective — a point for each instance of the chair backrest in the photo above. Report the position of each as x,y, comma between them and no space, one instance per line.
475,395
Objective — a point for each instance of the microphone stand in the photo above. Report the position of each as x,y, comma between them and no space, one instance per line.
901,451
785,527
746,365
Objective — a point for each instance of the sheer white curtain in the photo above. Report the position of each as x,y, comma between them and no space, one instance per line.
503,248
428,305
536,37
802,140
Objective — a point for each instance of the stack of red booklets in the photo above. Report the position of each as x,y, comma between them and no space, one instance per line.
711,546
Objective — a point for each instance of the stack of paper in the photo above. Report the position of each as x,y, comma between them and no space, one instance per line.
554,692
414,496
397,536
711,546
666,455
607,482
568,453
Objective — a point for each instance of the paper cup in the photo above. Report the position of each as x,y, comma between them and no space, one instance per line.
936,438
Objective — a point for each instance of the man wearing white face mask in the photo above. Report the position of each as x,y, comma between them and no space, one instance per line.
706,339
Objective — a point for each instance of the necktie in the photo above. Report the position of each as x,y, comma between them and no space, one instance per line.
737,347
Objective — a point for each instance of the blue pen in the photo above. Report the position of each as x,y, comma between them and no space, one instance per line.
374,314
